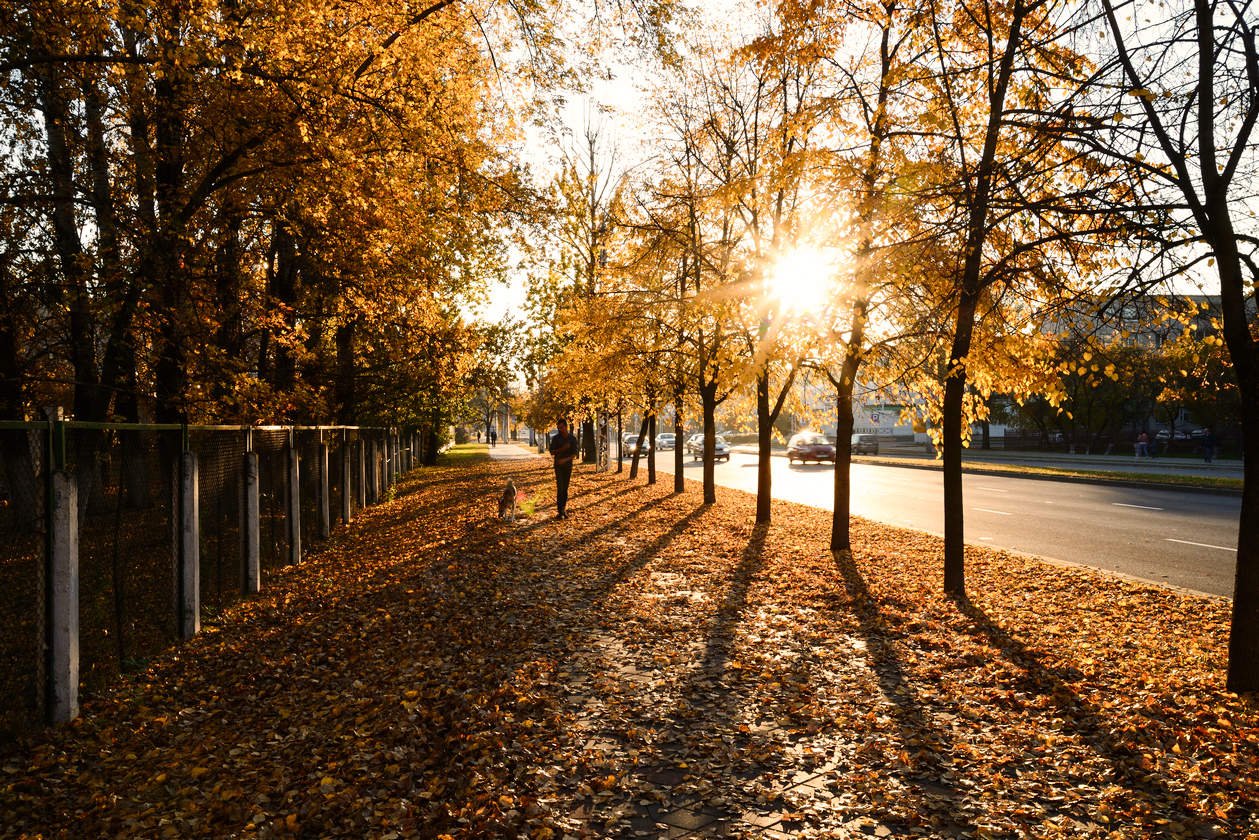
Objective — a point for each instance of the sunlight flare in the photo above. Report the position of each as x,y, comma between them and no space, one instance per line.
802,279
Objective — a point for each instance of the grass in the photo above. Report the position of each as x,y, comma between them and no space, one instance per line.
1152,479
465,454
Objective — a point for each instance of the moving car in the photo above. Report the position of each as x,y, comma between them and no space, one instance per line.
809,446
631,446
865,444
695,446
666,440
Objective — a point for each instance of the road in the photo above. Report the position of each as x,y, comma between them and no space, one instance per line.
1186,539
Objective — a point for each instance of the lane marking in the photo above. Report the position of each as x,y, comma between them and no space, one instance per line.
990,510
1138,507
1200,545
992,489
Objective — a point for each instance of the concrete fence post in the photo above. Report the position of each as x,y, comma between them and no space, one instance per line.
251,529
361,445
347,508
382,462
325,494
63,617
295,501
369,471
189,548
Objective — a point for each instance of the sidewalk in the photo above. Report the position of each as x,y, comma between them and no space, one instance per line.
513,452
655,667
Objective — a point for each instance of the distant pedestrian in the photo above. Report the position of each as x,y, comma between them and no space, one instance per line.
493,438
563,449
478,435
1143,445
1208,444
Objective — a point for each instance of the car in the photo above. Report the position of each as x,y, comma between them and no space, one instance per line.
864,444
809,446
695,446
631,446
666,440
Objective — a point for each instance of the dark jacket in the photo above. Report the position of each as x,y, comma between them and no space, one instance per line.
563,448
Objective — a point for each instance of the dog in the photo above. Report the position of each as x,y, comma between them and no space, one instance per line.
507,502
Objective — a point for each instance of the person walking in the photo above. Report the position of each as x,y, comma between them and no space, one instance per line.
563,448
1208,444
1143,445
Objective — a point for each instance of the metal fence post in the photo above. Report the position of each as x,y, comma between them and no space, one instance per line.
347,509
295,501
189,548
251,528
325,502
63,618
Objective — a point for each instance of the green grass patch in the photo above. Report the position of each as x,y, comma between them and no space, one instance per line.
464,454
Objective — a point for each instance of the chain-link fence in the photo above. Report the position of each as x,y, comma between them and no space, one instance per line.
146,552
22,534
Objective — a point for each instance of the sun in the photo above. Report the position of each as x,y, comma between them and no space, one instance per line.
802,279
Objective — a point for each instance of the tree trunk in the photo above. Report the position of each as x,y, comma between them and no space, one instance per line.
764,440
841,508
708,402
951,429
638,451
651,448
1243,643
589,448
679,448
347,404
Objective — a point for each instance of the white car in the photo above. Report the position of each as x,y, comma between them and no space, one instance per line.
666,440
695,446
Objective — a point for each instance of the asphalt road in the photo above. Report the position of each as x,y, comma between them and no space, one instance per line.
1186,539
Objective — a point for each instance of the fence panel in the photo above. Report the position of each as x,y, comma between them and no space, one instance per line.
22,534
308,459
220,464
127,498
273,494
128,495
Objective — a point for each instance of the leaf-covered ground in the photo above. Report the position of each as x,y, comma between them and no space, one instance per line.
655,668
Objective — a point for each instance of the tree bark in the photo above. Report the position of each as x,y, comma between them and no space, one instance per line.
679,447
638,451
708,403
651,448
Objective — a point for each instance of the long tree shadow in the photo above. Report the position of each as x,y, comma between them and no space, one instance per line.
931,777
701,731
1084,719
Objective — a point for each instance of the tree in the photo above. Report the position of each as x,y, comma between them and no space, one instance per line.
1017,221
1184,113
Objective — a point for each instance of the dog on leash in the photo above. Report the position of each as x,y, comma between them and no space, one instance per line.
507,502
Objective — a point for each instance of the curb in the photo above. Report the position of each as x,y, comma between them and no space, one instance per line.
1013,472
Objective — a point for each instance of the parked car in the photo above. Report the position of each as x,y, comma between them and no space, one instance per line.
666,440
809,446
695,446
864,444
